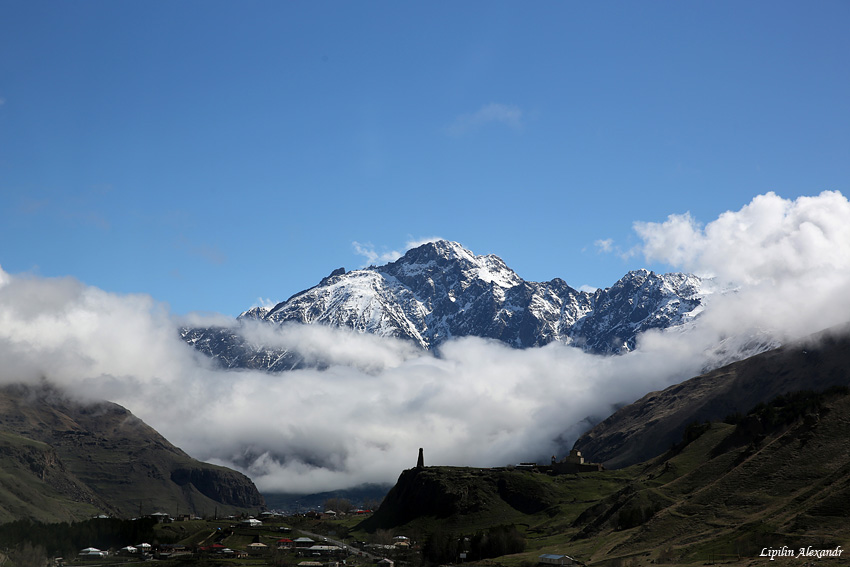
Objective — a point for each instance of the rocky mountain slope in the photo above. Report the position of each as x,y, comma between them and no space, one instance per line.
62,459
649,426
440,290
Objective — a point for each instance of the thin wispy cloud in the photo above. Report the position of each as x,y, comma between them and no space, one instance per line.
415,243
606,245
29,206
373,257
86,209
88,218
494,113
210,253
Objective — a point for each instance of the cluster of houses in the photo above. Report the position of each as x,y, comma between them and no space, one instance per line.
316,553
140,549
303,546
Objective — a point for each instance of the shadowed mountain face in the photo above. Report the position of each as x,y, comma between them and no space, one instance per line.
81,458
649,426
441,290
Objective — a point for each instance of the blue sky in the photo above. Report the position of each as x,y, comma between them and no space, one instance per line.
214,153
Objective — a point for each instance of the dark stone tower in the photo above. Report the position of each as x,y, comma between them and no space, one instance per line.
420,462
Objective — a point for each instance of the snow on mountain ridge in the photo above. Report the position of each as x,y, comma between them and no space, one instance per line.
440,290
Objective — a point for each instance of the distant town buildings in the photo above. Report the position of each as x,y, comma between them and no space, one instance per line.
571,464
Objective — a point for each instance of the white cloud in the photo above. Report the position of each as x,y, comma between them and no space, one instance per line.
372,256
476,402
769,239
606,245
505,114
789,259
360,420
415,243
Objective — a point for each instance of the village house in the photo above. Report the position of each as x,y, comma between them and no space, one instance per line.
161,517
255,549
93,552
317,550
571,464
401,541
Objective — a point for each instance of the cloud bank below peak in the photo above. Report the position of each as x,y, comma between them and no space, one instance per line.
476,402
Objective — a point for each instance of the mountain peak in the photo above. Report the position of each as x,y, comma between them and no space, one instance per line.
444,258
440,290
435,249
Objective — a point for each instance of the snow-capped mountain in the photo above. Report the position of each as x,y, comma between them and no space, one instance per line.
440,290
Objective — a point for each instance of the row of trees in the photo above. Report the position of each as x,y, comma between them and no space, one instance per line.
445,547
67,539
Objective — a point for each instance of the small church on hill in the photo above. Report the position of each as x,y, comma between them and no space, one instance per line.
574,463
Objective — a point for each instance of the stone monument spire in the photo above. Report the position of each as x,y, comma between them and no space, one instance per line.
420,463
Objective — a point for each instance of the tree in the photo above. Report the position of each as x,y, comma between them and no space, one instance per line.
383,537
441,547
29,555
338,505
497,541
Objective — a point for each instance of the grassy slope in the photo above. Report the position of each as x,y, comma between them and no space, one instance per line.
23,487
95,458
710,499
647,427
723,496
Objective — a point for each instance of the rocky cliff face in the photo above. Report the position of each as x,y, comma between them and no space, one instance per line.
219,484
441,290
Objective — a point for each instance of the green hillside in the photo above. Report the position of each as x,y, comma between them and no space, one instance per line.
778,476
62,460
26,491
